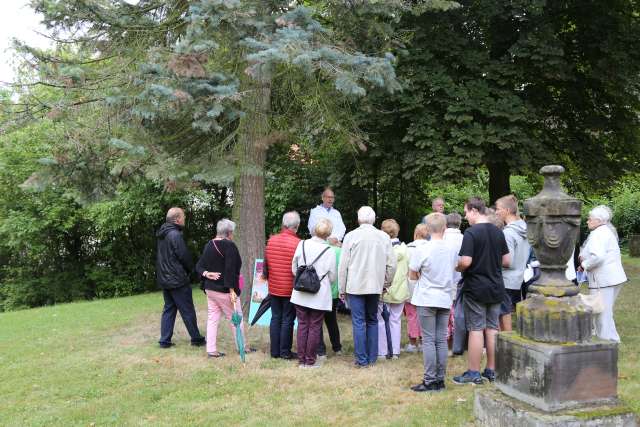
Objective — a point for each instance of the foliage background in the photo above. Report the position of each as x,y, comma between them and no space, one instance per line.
143,111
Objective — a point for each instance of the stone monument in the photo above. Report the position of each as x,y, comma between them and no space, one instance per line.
551,371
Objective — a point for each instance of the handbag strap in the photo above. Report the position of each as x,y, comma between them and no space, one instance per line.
304,256
317,258
216,246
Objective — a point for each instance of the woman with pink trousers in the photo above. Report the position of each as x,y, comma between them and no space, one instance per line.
413,327
219,266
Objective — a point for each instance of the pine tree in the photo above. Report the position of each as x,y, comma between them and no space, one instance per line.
191,80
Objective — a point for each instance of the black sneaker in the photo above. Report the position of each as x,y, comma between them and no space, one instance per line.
166,345
199,343
469,377
434,386
291,356
489,374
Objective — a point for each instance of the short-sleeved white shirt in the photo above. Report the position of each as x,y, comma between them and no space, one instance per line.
435,261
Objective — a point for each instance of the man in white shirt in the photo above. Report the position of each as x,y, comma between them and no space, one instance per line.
326,210
453,236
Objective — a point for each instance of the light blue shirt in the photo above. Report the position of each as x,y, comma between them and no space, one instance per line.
332,215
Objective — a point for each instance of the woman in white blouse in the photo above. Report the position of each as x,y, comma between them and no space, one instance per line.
600,259
310,308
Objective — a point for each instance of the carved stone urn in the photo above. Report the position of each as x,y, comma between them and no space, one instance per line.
553,227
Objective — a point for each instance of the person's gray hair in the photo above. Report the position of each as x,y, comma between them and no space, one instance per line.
454,219
604,214
366,215
291,220
173,214
225,227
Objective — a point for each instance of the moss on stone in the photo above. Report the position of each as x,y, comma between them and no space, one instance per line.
600,412
555,291
517,338
593,413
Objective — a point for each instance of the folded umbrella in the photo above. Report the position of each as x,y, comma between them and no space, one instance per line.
387,329
262,309
236,319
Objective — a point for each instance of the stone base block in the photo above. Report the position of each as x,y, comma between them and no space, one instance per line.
493,409
553,377
556,320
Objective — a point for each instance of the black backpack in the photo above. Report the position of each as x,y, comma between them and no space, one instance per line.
307,279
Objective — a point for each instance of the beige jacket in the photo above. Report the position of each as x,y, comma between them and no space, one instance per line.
367,263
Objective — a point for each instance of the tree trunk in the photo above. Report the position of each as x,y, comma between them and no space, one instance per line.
499,186
248,194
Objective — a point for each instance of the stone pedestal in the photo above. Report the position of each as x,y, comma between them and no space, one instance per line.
552,377
551,319
493,409
552,365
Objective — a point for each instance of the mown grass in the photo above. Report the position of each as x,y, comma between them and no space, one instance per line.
97,363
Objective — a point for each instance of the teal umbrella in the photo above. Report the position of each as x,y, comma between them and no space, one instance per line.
236,319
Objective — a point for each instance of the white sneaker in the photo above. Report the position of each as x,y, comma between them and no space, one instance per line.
410,348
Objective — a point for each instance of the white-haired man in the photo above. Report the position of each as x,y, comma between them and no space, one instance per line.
367,265
326,210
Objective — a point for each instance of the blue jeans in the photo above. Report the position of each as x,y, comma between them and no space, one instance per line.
283,314
364,318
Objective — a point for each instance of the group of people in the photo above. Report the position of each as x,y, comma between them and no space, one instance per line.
454,288
219,271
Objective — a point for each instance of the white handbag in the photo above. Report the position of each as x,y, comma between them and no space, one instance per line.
594,300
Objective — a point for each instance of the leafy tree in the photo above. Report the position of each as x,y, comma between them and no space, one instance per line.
512,86
54,249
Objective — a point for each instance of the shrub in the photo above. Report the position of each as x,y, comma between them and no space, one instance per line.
625,200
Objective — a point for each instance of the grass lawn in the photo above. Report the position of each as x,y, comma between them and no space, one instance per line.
98,363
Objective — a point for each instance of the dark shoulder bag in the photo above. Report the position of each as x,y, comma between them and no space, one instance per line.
307,279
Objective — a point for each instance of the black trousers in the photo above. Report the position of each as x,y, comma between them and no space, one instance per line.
178,299
331,320
283,314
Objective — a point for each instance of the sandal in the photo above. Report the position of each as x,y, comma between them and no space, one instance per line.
216,354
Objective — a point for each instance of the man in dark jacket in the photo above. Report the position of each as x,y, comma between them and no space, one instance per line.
173,270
